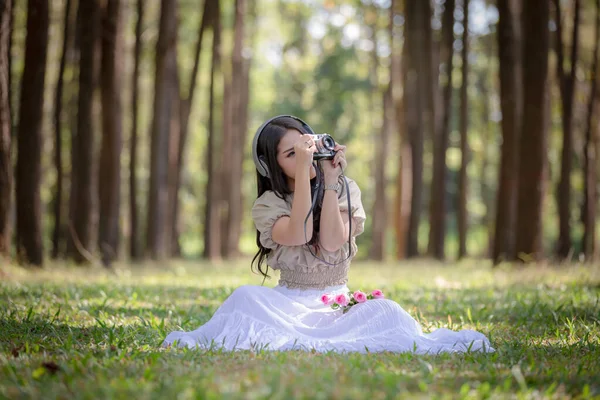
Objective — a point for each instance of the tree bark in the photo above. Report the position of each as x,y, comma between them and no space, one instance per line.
110,153
82,147
212,225
158,227
58,164
567,84
416,14
239,105
590,199
379,214
534,124
241,126
437,205
464,144
186,106
403,183
28,168
135,247
6,170
509,44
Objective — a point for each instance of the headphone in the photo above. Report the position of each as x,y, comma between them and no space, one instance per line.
260,161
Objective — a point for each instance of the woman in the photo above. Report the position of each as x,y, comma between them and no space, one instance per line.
312,246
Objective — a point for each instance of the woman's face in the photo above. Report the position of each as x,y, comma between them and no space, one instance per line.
286,157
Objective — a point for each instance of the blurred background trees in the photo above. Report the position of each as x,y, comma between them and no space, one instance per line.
472,126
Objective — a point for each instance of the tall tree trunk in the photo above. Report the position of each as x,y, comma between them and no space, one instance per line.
158,234
487,138
437,205
58,195
534,138
378,227
11,100
590,198
225,163
239,102
509,55
414,105
174,171
567,84
28,168
186,106
380,204
135,247
403,195
82,147
110,153
237,213
464,144
6,170
212,226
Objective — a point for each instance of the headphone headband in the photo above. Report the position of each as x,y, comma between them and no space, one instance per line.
259,162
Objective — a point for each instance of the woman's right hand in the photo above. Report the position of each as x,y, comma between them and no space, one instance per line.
304,149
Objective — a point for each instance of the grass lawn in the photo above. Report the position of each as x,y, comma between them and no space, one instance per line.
68,332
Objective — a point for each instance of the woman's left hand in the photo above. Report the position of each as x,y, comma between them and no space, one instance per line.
332,169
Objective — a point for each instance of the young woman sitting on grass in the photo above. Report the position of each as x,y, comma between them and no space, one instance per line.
310,307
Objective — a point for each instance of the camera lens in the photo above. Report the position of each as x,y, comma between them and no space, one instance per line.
328,142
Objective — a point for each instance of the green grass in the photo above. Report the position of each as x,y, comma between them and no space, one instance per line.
67,332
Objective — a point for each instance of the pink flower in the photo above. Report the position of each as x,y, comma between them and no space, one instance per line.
360,296
327,299
378,294
342,299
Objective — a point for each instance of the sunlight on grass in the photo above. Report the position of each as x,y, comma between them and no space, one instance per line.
77,332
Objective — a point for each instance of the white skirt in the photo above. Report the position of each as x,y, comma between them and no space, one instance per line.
262,318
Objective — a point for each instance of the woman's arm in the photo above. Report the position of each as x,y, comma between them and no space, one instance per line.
334,224
289,231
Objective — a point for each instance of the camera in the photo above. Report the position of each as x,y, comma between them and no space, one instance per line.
325,147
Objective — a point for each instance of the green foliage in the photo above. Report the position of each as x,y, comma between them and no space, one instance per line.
85,333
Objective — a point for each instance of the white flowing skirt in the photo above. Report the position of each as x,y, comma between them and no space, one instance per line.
262,318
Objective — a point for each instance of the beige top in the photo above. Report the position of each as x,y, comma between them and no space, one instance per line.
298,267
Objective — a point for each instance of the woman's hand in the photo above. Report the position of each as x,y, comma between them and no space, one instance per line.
332,169
304,150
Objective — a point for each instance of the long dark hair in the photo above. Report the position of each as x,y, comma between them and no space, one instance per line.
278,182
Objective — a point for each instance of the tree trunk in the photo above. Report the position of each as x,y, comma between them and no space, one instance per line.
135,247
82,147
5,130
567,84
380,204
236,209
186,106
110,154
414,105
403,184
239,102
159,232
378,113
464,145
58,195
212,234
591,157
437,210
487,195
509,45
534,139
225,162
28,168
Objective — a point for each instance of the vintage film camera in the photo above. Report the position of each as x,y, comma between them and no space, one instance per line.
325,145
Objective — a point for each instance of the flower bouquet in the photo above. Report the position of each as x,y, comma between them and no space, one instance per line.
346,300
